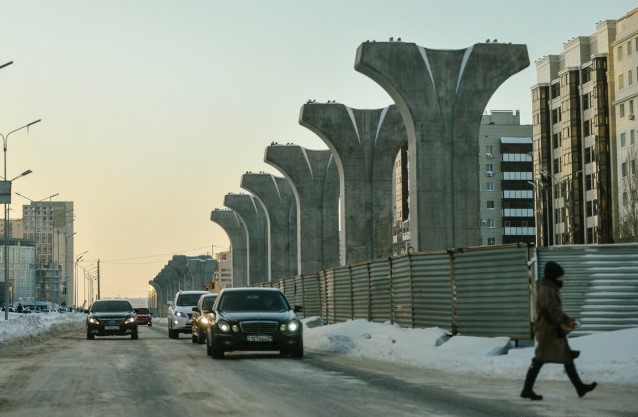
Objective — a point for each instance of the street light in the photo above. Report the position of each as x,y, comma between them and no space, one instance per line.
7,202
35,236
75,278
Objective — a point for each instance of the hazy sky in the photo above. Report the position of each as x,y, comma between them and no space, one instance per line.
153,109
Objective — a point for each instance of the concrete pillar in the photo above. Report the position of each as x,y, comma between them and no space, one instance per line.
237,234
253,215
365,144
315,182
276,196
441,95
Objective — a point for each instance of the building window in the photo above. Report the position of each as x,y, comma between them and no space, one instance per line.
628,48
624,169
632,136
620,53
621,81
491,224
622,140
490,204
507,223
589,182
630,77
489,186
622,109
491,241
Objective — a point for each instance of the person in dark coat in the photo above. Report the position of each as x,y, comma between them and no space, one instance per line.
551,327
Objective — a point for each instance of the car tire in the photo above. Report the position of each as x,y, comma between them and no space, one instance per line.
209,351
90,336
150,324
200,339
134,336
194,338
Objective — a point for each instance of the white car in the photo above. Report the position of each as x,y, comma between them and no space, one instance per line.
180,312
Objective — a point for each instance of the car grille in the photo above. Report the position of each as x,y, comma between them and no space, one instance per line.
258,327
112,322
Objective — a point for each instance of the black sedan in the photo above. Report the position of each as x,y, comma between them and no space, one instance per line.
254,319
111,318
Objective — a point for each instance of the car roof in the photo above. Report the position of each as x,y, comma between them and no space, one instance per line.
110,299
195,292
241,289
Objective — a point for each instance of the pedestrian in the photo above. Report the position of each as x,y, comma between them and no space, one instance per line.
551,327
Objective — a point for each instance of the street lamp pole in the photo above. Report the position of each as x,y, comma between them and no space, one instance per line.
75,279
5,139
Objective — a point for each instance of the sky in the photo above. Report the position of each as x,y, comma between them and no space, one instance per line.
606,358
152,110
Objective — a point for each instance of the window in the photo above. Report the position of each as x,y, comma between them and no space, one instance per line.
585,101
631,107
620,53
630,77
491,224
589,182
491,241
490,204
589,155
621,81
632,136
621,109
507,223
489,186
628,48
622,140
624,169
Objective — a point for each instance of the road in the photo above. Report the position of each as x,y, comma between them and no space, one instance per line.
63,374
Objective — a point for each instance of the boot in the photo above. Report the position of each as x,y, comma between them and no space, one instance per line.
532,373
575,353
581,388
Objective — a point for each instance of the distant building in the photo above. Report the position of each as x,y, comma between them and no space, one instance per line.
223,276
21,272
505,161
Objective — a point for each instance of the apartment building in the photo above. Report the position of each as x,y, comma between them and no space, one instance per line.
624,52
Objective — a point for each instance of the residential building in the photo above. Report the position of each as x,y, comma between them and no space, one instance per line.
21,255
505,163
624,51
573,128
223,275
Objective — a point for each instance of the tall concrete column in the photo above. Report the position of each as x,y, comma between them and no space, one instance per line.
315,183
253,215
365,144
441,95
276,196
237,234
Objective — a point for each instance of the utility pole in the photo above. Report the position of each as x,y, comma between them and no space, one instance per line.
98,279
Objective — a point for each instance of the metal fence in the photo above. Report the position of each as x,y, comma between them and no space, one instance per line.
484,291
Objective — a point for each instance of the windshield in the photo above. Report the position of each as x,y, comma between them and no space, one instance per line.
207,302
188,299
253,301
111,307
142,311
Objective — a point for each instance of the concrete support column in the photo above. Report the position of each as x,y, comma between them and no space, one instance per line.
278,200
365,144
315,182
441,95
237,234
253,215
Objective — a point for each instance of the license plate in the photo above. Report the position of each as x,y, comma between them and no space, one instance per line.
111,327
259,338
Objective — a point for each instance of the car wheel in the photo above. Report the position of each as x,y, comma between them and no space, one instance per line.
90,336
209,350
150,324
134,336
194,338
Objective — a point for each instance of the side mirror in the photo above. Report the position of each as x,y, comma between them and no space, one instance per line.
196,309
298,309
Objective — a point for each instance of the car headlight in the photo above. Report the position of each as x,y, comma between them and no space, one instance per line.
223,326
291,326
130,320
180,314
93,320
204,320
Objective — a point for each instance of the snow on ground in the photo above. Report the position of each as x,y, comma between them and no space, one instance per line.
609,357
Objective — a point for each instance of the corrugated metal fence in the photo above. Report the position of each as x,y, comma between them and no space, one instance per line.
483,291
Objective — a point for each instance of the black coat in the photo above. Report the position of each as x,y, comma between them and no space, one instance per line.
551,325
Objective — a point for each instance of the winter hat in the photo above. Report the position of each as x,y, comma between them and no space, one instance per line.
553,270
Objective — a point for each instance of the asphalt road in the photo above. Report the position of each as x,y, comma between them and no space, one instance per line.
63,374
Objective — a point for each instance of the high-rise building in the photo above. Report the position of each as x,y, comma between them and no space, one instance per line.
50,225
624,145
223,276
573,126
401,224
505,164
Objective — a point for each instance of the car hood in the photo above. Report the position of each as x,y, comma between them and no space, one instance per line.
106,315
257,315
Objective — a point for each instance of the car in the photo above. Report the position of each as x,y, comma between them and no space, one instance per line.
201,316
143,316
180,312
254,319
112,317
